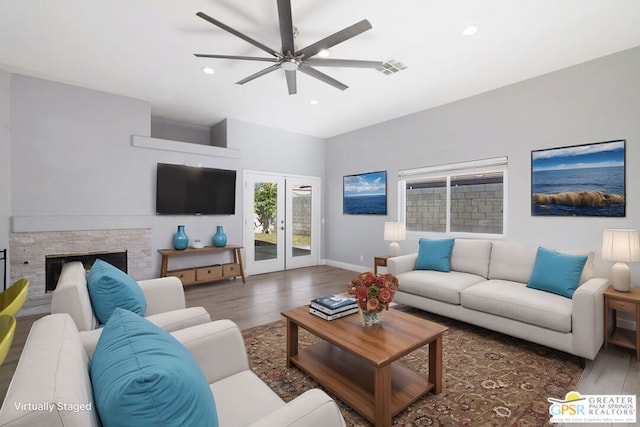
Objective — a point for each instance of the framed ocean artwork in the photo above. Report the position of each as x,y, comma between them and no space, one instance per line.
579,180
365,194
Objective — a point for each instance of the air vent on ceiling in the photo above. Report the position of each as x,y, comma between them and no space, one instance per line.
391,67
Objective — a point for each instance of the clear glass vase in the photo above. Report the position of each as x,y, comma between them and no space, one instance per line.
371,318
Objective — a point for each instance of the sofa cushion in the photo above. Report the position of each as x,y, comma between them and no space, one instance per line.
437,285
434,254
556,272
143,376
471,256
110,288
512,262
514,300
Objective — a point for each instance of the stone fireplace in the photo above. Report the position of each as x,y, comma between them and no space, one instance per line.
28,252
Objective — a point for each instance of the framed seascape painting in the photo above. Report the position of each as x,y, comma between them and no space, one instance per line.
580,180
365,194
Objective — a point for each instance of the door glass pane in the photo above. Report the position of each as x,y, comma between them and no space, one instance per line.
301,223
265,196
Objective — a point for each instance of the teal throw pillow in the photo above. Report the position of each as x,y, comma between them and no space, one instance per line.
434,254
142,376
110,287
556,272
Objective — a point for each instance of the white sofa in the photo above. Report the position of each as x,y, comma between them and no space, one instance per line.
165,301
487,286
52,387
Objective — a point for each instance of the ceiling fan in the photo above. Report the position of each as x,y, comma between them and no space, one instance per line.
292,60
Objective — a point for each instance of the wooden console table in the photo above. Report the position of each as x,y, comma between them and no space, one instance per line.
207,273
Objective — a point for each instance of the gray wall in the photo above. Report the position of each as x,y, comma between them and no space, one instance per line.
169,129
591,102
5,162
71,151
72,162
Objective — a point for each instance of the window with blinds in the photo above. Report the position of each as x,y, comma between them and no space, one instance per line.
459,198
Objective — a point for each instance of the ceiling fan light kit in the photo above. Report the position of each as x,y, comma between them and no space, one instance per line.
302,60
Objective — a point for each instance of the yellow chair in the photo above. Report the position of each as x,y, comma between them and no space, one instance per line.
12,299
7,331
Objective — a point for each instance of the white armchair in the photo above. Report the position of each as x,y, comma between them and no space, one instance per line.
166,305
54,370
242,399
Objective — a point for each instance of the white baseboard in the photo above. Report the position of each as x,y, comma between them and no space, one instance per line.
345,266
626,324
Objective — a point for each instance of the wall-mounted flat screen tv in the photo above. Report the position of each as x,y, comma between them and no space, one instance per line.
189,190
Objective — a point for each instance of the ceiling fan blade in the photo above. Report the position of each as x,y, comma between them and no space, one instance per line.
334,39
238,34
258,74
322,77
291,81
286,26
351,63
248,58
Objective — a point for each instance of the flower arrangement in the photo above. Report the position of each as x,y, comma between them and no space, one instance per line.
373,292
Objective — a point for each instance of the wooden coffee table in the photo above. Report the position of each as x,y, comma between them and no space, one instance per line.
357,363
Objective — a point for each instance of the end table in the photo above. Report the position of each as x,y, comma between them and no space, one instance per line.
622,301
379,261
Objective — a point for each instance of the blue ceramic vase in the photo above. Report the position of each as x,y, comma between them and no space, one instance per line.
219,239
180,239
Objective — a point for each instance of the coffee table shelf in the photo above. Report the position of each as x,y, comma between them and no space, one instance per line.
352,379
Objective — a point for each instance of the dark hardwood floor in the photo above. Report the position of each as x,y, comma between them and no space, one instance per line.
264,296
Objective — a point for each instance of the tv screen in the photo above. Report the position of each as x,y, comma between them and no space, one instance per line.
188,190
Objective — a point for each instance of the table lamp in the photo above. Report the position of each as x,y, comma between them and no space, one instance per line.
394,231
621,246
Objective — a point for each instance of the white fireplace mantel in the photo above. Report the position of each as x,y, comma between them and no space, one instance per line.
33,224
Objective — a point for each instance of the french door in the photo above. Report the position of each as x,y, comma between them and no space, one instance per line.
281,221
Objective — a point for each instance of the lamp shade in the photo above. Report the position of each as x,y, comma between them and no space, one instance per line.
620,245
394,231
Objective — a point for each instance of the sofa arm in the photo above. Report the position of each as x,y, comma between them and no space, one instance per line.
217,346
310,409
401,264
163,294
587,317
170,321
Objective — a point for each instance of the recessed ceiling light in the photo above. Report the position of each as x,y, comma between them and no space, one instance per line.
208,70
314,102
470,30
324,53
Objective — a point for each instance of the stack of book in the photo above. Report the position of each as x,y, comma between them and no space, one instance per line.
333,307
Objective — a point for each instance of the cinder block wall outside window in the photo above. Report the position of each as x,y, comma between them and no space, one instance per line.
475,208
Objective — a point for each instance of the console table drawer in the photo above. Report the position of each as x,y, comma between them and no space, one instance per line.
207,274
186,276
628,307
230,269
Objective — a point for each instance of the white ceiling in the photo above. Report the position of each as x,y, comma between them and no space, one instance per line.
144,49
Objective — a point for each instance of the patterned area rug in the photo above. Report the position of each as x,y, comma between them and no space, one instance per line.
489,379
